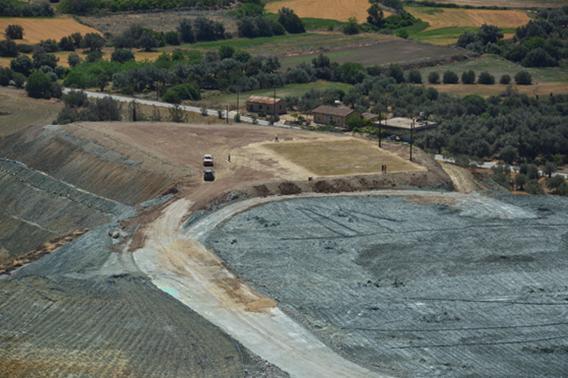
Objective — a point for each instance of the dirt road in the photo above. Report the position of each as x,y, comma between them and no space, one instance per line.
181,266
461,178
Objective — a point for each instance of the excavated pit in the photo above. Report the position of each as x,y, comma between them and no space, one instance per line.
419,285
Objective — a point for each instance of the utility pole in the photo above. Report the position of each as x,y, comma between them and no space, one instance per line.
238,93
380,128
274,107
411,137
227,114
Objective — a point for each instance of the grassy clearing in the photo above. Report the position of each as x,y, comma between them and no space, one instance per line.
328,9
321,24
505,3
498,66
394,50
545,80
291,44
542,89
295,90
340,157
37,28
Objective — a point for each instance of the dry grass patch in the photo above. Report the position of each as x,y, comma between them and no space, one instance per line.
333,157
506,3
339,10
37,29
540,89
456,17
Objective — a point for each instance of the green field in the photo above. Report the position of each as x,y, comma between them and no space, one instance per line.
498,66
295,90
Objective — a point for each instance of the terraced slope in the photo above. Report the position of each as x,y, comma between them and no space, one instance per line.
87,311
37,208
89,164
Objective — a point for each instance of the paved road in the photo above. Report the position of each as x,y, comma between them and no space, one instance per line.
187,108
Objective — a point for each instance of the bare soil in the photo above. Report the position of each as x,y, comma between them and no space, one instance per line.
18,111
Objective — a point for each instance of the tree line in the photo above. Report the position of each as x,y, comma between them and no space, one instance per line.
86,7
543,42
16,8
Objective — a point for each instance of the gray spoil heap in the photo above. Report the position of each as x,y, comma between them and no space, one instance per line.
449,285
37,208
86,310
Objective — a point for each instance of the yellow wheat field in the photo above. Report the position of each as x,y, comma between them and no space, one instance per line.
339,10
37,29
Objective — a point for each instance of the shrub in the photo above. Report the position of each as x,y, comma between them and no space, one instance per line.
8,48
40,58
226,52
93,41
25,49
208,30
486,78
415,77
434,78
39,85
290,21
94,55
148,41
5,76
67,44
49,45
180,92
402,34
351,27
505,79
539,57
22,64
185,30
75,99
172,38
14,32
450,77
104,109
532,187
73,60
122,55
396,73
18,79
468,77
523,78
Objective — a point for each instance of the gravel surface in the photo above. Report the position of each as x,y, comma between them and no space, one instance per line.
445,284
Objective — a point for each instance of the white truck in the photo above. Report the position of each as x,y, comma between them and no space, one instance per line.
208,160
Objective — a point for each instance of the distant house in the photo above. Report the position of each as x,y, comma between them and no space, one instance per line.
266,105
333,115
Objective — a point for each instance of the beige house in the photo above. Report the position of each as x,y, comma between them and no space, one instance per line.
333,115
266,105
